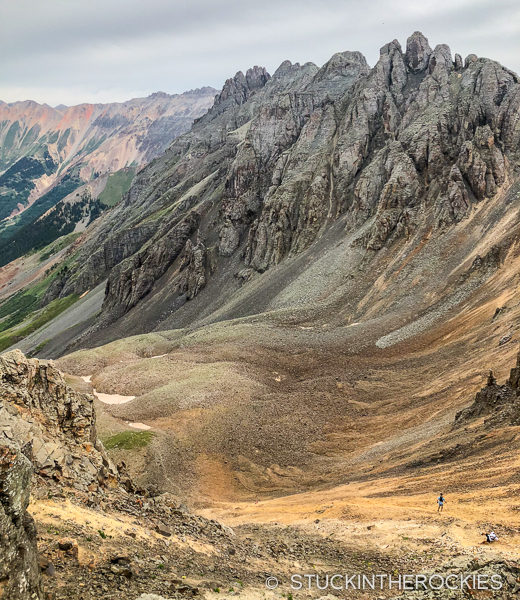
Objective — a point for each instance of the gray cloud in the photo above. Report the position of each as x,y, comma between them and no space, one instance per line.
72,51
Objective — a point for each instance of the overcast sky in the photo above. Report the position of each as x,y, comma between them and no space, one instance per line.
72,51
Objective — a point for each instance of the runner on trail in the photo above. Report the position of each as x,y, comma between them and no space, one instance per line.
440,501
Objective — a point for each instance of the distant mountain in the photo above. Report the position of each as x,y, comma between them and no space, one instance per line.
46,153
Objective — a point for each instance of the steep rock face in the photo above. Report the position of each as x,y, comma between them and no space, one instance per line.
19,569
418,52
300,196
38,410
194,264
131,280
415,142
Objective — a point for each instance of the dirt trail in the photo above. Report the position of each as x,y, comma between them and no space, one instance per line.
371,516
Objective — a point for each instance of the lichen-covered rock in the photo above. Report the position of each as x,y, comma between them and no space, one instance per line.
19,569
38,410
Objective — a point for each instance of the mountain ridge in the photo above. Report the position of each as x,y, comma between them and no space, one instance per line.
278,162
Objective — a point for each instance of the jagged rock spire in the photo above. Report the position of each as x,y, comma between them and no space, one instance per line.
500,403
241,87
418,52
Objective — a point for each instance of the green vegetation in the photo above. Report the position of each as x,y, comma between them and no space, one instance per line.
26,233
17,307
29,140
129,440
17,181
62,141
11,135
10,336
31,231
158,214
57,245
38,348
117,185
21,313
52,137
93,144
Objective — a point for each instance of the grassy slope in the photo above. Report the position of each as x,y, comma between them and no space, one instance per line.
57,245
35,320
22,313
117,185
128,440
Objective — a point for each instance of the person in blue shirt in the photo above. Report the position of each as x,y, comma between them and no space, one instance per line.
440,501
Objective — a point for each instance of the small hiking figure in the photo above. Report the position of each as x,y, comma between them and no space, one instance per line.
440,501
490,537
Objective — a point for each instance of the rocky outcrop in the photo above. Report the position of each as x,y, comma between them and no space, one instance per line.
194,265
132,279
19,569
500,404
56,424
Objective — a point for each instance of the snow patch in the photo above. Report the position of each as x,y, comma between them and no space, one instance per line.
142,426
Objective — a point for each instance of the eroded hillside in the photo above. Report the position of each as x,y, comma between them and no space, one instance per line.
47,153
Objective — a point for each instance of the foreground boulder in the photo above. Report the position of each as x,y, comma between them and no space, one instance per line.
40,411
19,570
48,427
